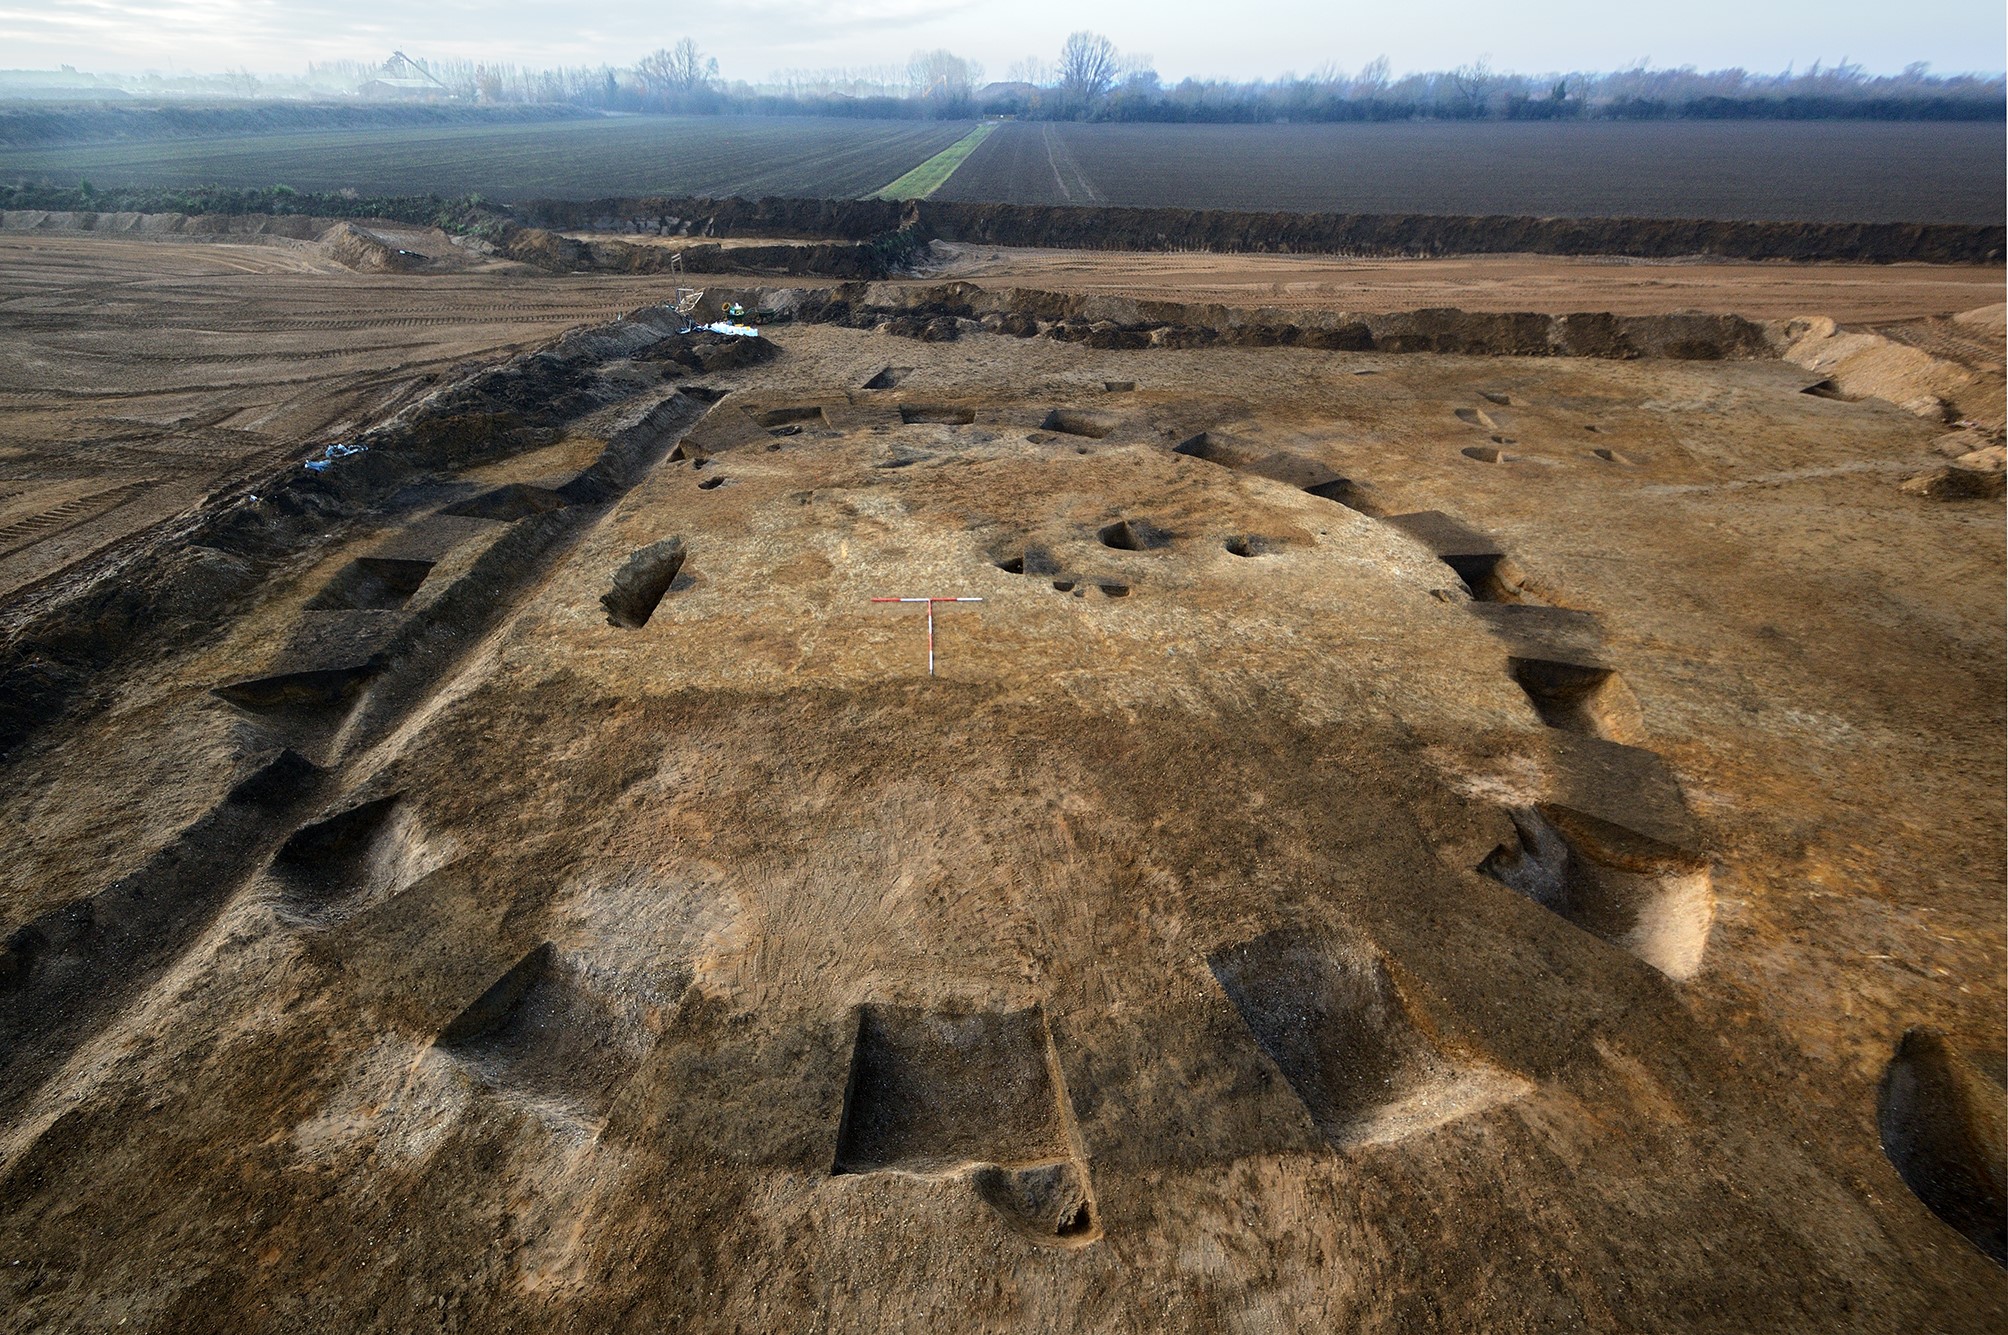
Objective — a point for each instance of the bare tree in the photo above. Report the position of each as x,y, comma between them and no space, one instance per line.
681,69
1372,79
1140,80
942,76
1088,67
1471,81
1030,70
859,81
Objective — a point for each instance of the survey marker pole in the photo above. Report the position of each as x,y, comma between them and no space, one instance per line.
930,619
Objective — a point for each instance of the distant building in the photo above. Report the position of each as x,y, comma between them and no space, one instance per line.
1007,97
403,79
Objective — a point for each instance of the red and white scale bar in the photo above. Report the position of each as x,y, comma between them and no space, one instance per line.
930,619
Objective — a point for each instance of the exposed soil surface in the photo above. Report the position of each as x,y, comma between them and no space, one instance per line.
137,376
1851,293
1405,841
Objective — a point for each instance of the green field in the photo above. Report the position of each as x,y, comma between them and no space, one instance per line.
931,175
712,156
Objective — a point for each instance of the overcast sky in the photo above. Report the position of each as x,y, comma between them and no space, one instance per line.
753,38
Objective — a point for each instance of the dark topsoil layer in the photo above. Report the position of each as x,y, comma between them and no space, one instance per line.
1289,233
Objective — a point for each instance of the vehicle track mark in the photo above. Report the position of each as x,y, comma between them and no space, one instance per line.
1061,159
36,527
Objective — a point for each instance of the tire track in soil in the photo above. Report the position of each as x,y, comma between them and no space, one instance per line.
36,528
1947,344
1061,159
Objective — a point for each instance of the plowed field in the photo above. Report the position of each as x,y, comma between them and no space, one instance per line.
715,156
1812,171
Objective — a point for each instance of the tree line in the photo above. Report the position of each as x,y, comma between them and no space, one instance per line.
1092,79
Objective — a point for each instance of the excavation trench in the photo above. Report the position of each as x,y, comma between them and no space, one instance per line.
1491,577
552,1029
1080,422
641,582
1353,495
796,416
1214,448
1656,902
70,970
1133,535
1580,698
1329,1015
333,866
371,583
508,503
1944,1126
916,414
947,1092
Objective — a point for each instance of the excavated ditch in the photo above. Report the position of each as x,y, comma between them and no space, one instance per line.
1293,233
944,312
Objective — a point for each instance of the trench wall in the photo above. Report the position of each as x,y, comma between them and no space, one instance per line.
1285,233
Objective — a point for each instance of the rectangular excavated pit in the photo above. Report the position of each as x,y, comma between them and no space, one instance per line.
1081,422
809,415
371,583
550,1029
517,500
347,859
1657,903
1133,535
930,1091
1490,575
1215,448
947,1093
641,582
914,414
1353,495
1579,697
1329,1015
1615,850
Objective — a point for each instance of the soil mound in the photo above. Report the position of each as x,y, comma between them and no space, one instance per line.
293,227
364,251
1946,370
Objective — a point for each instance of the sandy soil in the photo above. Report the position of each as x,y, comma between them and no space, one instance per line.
1404,843
1850,293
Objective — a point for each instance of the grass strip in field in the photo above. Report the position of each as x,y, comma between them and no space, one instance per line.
931,175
